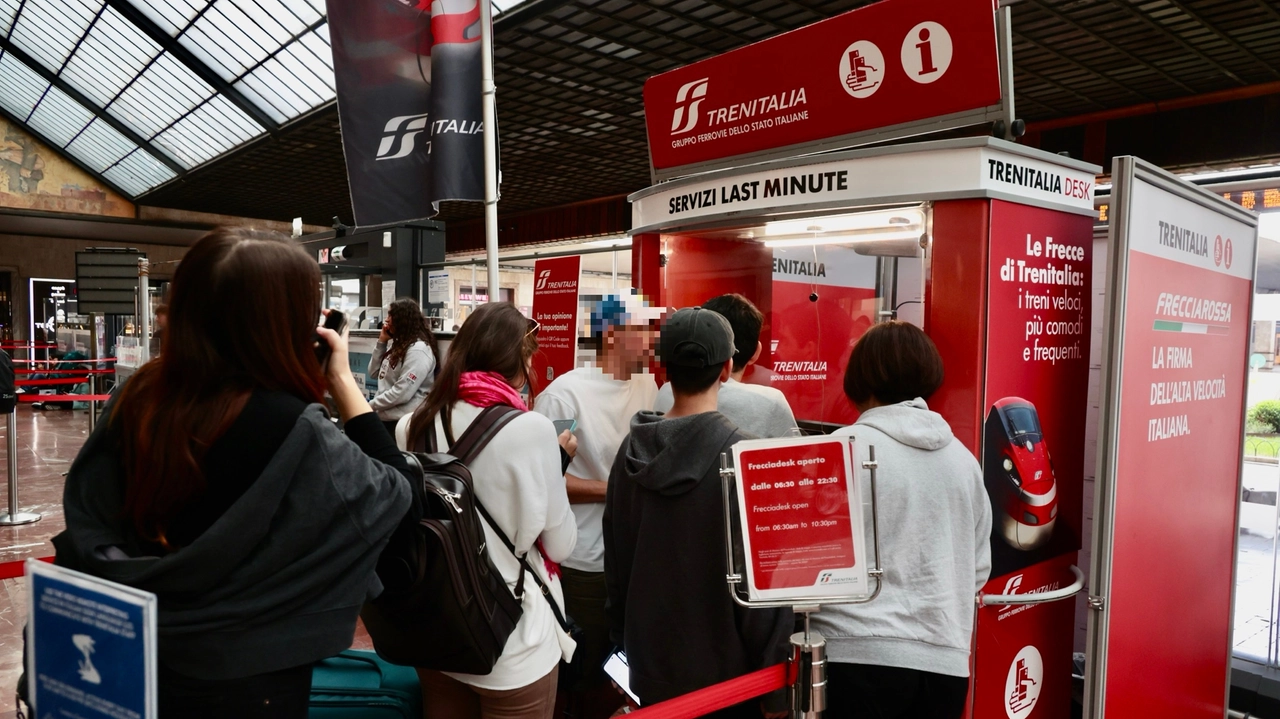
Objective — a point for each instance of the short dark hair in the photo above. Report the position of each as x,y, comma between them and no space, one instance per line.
746,321
692,380
893,362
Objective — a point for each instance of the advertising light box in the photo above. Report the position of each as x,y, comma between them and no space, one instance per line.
886,64
800,505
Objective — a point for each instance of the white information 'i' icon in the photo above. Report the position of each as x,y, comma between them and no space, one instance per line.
926,52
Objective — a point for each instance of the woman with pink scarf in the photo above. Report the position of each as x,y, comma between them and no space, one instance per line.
519,479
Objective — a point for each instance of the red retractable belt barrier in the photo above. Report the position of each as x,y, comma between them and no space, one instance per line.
49,381
9,570
86,371
28,397
65,361
717,696
23,344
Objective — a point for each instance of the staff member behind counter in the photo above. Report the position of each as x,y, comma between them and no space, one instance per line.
405,362
906,655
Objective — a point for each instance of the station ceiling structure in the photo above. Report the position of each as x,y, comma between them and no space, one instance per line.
226,106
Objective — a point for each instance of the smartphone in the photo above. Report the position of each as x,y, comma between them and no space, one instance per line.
564,425
620,672
336,321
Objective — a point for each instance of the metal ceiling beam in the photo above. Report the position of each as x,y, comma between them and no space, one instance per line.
1023,69
193,63
533,10
1235,45
1045,7
1146,19
53,79
62,154
1081,66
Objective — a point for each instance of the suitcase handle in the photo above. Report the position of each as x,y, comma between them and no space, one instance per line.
353,656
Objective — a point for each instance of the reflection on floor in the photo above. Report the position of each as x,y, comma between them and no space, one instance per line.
47,443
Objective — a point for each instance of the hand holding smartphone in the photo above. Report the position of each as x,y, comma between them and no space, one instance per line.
334,320
565,425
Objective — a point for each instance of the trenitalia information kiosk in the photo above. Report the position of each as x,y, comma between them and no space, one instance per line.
986,244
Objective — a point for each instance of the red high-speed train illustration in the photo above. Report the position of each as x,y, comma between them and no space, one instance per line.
1026,495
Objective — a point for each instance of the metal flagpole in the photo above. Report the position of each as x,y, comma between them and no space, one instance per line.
490,117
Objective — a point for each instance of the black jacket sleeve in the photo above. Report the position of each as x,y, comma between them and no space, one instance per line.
368,432
619,547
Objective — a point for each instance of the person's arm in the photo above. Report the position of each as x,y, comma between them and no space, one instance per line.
982,530
561,533
375,361
619,551
417,367
585,491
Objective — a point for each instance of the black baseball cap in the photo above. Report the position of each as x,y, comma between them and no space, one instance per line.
696,337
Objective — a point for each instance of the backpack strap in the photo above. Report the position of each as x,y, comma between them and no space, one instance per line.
525,568
482,431
476,437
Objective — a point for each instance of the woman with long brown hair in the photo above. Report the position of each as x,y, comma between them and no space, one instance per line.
518,478
220,483
404,362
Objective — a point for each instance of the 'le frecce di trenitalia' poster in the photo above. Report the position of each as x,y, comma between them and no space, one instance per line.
1037,377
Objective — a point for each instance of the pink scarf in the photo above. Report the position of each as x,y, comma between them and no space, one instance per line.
485,389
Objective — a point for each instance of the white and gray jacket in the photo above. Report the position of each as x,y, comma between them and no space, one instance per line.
403,387
935,534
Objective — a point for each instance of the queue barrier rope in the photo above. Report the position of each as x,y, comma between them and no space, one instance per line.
49,381
65,361
18,567
80,372
29,397
718,696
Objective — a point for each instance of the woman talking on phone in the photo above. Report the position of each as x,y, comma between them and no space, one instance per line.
404,362
219,483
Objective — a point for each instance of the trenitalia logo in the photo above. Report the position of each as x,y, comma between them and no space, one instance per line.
542,280
399,136
692,93
1011,586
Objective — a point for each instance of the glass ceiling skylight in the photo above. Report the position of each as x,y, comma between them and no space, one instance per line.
121,99
137,111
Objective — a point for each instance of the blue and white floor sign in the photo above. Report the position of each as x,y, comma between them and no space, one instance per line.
91,649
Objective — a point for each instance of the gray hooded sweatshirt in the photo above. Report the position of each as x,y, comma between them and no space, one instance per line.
277,581
935,530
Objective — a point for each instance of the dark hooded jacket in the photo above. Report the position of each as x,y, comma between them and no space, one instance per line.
664,556
278,578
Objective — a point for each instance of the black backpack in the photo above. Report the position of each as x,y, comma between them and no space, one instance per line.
445,606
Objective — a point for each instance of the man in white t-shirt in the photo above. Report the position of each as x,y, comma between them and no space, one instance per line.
602,398
758,410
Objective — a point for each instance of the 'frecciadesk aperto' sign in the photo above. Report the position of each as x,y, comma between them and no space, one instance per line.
890,63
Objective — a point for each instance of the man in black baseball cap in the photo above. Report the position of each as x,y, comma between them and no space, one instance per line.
664,535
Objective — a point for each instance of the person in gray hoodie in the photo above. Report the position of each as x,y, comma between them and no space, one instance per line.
664,538
906,654
219,482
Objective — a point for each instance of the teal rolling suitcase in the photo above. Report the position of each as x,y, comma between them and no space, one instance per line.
357,684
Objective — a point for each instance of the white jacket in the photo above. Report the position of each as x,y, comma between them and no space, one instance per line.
518,480
935,534
403,387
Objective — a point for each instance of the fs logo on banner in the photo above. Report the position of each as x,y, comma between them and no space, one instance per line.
693,93
399,135
1011,586
542,280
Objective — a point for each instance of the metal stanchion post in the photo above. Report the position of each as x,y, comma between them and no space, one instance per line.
93,403
14,516
808,694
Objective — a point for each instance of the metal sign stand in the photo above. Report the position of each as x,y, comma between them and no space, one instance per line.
808,694
13,516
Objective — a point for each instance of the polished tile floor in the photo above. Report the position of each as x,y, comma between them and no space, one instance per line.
47,443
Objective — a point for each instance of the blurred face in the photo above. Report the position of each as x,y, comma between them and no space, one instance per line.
630,347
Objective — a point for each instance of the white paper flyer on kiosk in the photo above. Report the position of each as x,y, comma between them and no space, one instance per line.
801,508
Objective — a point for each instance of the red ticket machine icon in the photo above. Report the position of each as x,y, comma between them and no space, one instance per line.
859,77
